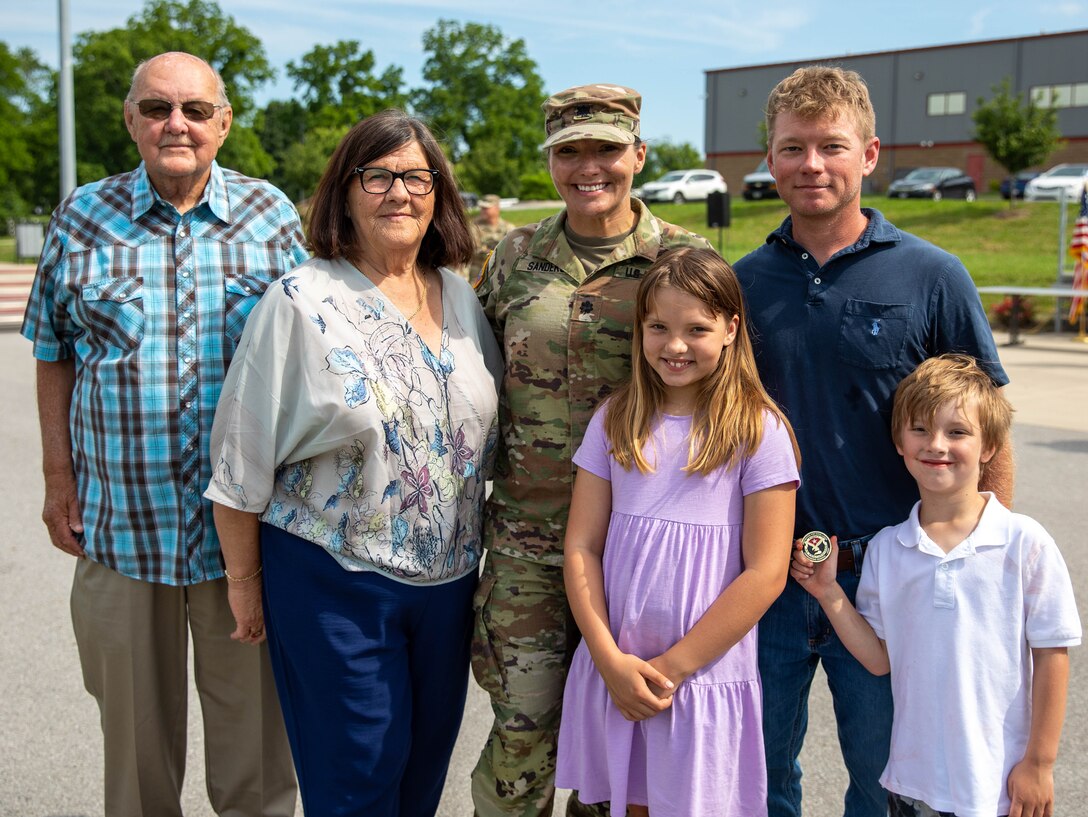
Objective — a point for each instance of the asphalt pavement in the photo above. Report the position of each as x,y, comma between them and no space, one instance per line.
50,744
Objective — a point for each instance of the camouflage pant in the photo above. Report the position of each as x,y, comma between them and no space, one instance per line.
522,646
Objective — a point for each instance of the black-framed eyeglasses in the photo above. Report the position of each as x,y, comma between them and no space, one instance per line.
195,110
418,182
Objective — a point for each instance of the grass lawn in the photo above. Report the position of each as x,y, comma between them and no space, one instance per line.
7,249
999,247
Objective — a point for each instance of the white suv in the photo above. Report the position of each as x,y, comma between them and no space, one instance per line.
679,186
1049,186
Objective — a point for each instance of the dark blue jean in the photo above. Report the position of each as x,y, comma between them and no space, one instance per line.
794,637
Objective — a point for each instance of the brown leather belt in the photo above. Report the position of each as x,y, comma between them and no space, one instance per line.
846,553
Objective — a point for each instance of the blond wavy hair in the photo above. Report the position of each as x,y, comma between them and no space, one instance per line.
822,92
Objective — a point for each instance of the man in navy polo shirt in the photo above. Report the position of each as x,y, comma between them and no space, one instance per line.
843,305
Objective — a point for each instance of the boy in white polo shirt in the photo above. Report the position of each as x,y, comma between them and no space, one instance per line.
970,608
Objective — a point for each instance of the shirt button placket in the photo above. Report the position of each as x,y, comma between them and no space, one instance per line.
188,388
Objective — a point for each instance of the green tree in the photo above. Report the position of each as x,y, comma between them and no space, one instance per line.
1016,134
303,162
338,85
279,125
482,93
28,132
664,155
103,62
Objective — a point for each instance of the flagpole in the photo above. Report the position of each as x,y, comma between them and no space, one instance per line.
66,105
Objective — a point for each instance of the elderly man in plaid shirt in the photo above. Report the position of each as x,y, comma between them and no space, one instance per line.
139,301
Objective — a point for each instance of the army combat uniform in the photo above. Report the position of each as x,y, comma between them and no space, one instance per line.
566,339
487,237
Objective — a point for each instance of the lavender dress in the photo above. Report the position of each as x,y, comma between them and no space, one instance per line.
673,546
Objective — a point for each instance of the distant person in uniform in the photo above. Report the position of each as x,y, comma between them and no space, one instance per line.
488,229
560,296
139,302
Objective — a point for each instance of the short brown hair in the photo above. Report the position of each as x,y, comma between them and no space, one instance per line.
329,229
954,379
819,92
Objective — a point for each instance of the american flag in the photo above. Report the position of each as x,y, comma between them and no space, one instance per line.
1078,248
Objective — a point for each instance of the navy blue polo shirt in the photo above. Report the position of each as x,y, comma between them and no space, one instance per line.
832,344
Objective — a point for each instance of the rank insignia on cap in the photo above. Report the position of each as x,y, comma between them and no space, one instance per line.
582,112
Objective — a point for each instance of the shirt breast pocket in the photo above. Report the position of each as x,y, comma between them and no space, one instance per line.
113,311
874,335
241,294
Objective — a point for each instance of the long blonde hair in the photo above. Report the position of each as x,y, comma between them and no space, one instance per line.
727,424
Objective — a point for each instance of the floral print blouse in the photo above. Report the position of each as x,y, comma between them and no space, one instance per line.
338,424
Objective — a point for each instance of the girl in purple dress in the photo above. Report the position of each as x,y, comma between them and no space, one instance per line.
679,539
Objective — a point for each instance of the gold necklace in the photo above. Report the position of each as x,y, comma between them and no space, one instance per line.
422,297
422,300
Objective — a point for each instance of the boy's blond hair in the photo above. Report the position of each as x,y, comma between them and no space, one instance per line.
952,379
822,92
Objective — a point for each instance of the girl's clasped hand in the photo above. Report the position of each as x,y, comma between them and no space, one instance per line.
636,687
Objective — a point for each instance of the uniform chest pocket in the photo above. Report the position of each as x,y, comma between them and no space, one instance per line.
241,294
113,311
874,335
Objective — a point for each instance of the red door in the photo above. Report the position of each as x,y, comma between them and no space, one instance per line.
976,162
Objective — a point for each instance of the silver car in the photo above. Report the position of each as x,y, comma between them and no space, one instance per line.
1049,185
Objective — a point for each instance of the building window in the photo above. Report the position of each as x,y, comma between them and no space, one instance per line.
949,104
1065,95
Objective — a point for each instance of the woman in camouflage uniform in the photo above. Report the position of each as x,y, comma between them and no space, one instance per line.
560,297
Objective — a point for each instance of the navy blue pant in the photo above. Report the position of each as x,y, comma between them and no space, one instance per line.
372,676
794,637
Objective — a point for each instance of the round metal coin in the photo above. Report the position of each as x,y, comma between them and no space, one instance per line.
816,546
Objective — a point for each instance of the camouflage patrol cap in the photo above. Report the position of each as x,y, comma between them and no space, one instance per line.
490,200
605,112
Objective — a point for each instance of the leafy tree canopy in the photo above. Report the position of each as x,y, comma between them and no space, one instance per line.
338,85
28,132
483,93
304,161
1016,134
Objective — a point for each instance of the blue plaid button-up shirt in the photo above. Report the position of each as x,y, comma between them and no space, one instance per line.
151,304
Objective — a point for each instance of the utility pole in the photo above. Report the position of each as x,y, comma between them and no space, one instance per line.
66,112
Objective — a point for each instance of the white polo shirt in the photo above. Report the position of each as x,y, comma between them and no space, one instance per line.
959,629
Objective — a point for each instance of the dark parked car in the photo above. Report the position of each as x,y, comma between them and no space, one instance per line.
1019,182
470,199
760,184
933,183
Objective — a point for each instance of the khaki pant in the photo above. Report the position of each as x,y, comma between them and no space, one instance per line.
133,646
522,647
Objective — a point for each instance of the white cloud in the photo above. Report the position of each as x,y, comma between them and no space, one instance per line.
977,25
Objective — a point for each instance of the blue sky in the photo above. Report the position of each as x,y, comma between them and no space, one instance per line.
659,48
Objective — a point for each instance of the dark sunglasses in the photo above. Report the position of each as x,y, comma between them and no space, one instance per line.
160,109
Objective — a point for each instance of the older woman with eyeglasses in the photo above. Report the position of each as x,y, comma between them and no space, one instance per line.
351,446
